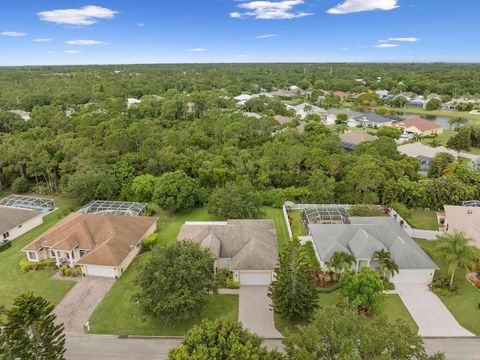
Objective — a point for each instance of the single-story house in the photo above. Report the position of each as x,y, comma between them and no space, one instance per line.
340,94
242,98
418,149
25,115
464,219
362,236
248,248
133,102
351,139
284,93
369,120
103,245
419,126
382,93
281,119
304,109
252,114
331,115
20,214
418,102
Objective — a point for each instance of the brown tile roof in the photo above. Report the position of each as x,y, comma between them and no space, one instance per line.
108,239
421,124
340,94
12,217
464,219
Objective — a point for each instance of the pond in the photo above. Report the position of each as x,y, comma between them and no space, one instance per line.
440,120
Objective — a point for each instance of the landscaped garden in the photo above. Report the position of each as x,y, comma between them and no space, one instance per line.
14,282
464,301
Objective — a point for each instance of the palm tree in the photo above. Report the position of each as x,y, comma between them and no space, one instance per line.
341,261
387,267
457,252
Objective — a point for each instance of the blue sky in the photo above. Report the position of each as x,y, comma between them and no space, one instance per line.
166,31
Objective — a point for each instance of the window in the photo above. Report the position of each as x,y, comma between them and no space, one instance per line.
6,235
32,255
68,255
20,226
52,253
73,255
82,252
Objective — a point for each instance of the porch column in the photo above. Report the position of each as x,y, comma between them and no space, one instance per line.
56,257
71,260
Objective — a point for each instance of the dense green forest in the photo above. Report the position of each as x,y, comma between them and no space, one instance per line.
187,137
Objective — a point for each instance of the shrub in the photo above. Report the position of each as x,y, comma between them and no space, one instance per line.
20,185
441,285
222,276
402,210
232,284
40,189
5,246
150,241
25,265
365,210
67,272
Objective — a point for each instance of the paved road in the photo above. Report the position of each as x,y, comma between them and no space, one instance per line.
255,311
109,347
79,304
428,311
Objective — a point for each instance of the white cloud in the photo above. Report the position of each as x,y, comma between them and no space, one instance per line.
12,33
42,40
385,45
86,15
140,24
197,50
266,36
382,41
268,10
85,42
71,52
404,39
354,6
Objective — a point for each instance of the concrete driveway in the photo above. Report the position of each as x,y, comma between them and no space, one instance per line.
255,311
428,311
78,305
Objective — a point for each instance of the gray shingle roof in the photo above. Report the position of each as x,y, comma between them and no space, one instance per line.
364,236
250,244
12,217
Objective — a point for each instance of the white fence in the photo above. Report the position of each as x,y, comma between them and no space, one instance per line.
414,233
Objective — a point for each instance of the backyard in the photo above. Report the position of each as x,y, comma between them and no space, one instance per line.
118,314
298,228
424,219
464,304
392,307
14,282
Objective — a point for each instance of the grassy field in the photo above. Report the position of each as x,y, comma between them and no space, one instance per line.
298,229
13,282
118,314
392,307
464,304
424,219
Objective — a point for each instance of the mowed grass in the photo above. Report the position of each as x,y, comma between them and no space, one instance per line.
424,219
13,282
298,229
464,304
118,314
391,306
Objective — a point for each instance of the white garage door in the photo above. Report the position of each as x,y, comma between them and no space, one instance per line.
100,271
417,276
258,278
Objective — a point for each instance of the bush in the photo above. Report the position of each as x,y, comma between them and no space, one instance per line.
232,284
25,265
365,210
402,210
442,285
388,285
5,246
20,185
150,241
40,189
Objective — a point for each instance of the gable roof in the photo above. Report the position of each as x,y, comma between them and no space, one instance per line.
421,124
12,217
364,236
464,219
250,244
108,239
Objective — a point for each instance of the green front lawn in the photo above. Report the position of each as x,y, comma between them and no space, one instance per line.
13,282
118,314
392,307
424,219
464,304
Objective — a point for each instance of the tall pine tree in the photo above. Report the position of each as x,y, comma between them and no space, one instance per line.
293,292
30,331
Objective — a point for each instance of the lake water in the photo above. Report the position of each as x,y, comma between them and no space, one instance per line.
440,120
